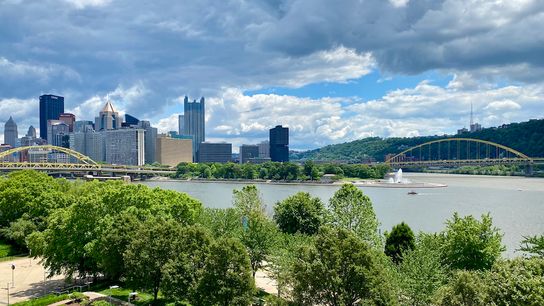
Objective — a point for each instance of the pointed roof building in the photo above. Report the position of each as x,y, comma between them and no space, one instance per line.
108,118
108,108
10,132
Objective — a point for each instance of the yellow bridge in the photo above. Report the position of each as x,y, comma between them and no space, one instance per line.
76,163
455,152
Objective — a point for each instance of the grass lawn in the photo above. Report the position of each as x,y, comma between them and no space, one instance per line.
122,294
50,299
6,249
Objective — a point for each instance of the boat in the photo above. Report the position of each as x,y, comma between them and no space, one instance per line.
411,192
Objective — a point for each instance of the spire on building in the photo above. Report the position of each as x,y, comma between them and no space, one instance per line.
108,108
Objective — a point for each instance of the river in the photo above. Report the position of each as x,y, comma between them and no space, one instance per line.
516,204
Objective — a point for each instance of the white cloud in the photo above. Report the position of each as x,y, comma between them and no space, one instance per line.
81,4
426,109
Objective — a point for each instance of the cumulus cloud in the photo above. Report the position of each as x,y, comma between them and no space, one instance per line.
144,56
425,109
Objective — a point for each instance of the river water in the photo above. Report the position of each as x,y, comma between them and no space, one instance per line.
516,204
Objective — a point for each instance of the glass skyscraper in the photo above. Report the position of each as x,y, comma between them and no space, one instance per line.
194,123
51,107
279,144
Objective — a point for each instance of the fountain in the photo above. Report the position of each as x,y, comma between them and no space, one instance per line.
397,178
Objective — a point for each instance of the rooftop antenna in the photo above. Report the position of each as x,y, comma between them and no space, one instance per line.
471,117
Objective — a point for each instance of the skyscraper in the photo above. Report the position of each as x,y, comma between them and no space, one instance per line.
58,133
247,152
125,147
279,144
108,118
181,124
51,107
150,139
10,132
31,132
194,123
69,119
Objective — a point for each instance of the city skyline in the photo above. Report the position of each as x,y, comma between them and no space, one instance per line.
414,71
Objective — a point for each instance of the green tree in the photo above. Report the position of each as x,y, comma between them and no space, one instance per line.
471,244
300,213
226,278
341,269
248,200
352,210
519,281
222,222
533,245
466,288
67,244
183,272
117,233
421,272
259,237
400,240
155,243
282,259
27,198
18,230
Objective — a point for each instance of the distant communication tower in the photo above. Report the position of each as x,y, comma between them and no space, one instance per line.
471,115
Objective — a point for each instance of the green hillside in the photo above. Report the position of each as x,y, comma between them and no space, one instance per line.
526,137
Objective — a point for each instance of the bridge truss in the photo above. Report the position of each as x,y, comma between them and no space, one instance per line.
455,152
74,162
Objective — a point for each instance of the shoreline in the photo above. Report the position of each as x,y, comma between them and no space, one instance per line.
358,183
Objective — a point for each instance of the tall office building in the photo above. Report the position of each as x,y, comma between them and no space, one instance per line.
51,107
31,132
181,124
69,119
83,125
10,132
264,149
215,152
279,144
194,123
125,147
150,139
247,152
108,118
58,133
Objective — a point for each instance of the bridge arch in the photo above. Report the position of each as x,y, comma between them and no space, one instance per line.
81,157
402,155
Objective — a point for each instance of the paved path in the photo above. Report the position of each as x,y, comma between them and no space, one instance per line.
29,281
263,281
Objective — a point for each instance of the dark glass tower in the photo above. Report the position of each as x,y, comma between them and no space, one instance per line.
279,144
51,107
194,123
131,120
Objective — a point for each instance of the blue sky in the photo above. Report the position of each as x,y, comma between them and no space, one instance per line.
333,71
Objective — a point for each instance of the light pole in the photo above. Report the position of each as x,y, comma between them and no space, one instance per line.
111,291
7,288
12,275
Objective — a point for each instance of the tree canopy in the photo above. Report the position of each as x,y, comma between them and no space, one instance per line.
300,213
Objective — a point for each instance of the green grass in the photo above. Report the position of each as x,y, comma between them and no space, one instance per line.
122,294
50,299
7,249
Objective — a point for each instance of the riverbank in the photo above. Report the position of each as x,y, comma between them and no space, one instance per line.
361,183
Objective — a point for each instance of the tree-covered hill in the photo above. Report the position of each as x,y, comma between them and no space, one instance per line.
526,137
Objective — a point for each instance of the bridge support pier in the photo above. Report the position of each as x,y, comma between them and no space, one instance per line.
529,170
